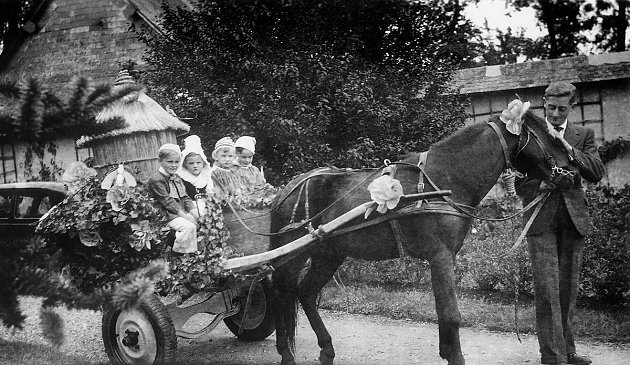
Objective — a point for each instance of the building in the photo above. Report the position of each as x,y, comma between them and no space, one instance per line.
68,38
603,83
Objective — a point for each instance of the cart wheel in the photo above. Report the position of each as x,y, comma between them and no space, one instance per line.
143,335
259,323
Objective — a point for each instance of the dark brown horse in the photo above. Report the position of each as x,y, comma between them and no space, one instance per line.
468,163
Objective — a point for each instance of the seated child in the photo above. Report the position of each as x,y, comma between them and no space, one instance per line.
224,180
195,171
250,177
168,189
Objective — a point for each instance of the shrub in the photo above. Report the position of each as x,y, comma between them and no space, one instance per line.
479,258
606,268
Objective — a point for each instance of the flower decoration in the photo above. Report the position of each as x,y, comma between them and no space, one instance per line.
76,175
117,197
142,235
512,116
386,192
119,183
118,177
90,238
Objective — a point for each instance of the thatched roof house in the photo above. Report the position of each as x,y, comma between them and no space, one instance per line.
148,127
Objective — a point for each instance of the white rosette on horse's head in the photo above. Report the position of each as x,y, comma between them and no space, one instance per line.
386,192
513,116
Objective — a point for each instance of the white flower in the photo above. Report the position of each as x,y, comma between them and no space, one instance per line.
512,116
386,192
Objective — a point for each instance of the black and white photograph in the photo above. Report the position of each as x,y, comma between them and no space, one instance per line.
314,182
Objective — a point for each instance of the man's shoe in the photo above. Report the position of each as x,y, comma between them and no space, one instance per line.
573,358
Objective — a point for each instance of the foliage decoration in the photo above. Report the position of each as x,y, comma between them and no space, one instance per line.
610,150
106,243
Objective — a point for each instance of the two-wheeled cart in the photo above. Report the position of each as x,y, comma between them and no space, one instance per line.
147,334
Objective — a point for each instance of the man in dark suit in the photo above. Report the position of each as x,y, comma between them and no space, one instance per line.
556,236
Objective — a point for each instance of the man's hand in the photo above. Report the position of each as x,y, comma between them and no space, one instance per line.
557,135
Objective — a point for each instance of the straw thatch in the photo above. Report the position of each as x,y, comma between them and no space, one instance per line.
148,127
142,114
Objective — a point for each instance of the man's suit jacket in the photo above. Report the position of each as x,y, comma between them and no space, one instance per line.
586,159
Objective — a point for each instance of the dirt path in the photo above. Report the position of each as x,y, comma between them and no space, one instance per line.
372,340
358,340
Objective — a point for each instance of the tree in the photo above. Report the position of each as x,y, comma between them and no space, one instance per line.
14,16
565,24
612,24
317,82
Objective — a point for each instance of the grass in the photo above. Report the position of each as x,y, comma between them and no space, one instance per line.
489,311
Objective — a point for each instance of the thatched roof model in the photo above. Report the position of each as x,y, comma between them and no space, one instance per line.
141,113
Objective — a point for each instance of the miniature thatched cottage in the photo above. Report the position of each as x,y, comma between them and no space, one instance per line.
148,127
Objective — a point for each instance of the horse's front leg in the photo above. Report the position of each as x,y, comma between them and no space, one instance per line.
321,271
449,318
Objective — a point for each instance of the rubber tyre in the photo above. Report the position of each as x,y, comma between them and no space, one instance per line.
260,321
151,326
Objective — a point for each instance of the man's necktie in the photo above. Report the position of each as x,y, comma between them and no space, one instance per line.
558,128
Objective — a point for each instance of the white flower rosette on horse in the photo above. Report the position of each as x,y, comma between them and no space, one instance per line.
385,191
513,116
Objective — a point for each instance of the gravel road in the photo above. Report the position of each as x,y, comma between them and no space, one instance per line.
359,340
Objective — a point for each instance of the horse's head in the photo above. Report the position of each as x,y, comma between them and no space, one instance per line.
539,155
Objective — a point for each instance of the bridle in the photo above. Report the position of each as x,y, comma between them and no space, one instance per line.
556,171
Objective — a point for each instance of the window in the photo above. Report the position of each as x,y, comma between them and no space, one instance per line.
8,166
5,206
24,207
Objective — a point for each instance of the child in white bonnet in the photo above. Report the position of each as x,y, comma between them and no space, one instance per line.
250,177
195,171
225,181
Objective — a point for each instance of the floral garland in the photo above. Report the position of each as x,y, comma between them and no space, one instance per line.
113,236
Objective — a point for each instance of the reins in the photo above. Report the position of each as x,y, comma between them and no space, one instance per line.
305,222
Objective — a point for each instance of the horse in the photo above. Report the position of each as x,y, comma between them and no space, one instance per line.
468,163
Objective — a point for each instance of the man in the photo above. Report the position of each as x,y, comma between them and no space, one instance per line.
556,236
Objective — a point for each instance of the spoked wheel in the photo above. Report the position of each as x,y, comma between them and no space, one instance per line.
259,322
141,336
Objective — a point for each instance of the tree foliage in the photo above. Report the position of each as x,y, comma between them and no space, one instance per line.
317,82
13,16
39,116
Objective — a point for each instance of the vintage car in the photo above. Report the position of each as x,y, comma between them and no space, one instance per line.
23,203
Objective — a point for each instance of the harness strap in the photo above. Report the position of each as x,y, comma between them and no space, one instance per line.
422,162
543,197
433,207
397,231
503,144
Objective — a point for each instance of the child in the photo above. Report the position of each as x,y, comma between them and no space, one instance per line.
168,188
250,177
225,181
195,171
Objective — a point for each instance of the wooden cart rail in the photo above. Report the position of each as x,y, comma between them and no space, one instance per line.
251,261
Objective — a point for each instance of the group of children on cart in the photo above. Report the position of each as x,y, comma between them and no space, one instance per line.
185,177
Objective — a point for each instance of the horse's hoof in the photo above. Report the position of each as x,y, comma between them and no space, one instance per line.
326,360
288,362
457,361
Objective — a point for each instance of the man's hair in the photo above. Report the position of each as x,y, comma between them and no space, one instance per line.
167,153
560,89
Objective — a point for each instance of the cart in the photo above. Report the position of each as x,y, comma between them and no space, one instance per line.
148,333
